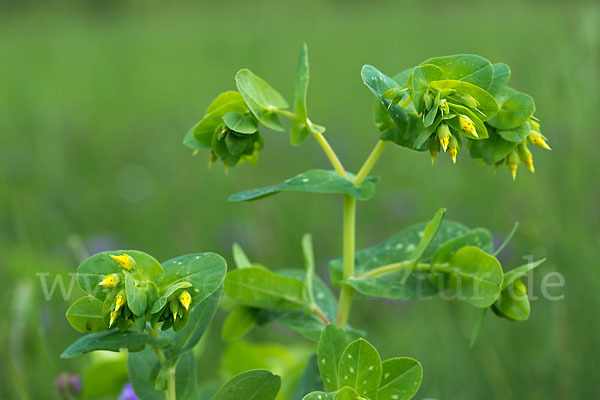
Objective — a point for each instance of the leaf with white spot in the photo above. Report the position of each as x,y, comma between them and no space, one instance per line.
360,368
314,181
332,344
401,379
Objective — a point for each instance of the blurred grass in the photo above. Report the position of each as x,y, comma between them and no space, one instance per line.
95,99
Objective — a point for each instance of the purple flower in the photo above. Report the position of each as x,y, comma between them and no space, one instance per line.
127,393
68,385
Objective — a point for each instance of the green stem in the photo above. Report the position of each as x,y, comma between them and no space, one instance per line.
333,158
370,162
286,113
171,392
347,293
401,265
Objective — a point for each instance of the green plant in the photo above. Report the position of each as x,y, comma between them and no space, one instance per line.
159,312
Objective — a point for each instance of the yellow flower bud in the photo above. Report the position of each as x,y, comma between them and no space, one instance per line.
113,316
120,301
185,299
453,148
525,156
466,124
125,261
110,281
443,134
538,139
434,148
513,163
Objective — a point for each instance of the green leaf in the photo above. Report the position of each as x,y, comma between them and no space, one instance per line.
113,341
259,287
310,380
360,368
204,271
379,83
516,135
422,75
429,233
241,123
500,79
487,104
401,380
143,367
465,67
240,258
250,385
514,109
313,181
137,299
241,320
347,393
299,131
332,344
85,315
513,302
105,376
261,98
319,396
474,276
493,149
479,237
203,131
91,271
397,248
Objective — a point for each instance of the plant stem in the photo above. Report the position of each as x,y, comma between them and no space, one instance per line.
333,158
171,392
370,162
345,302
401,265
286,113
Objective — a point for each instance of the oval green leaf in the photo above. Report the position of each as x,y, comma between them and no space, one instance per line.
313,181
259,287
241,123
500,79
85,315
487,104
474,276
465,67
261,98
401,380
514,109
360,368
250,385
113,341
332,344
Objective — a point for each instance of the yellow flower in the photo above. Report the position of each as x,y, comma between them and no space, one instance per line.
125,261
453,148
110,281
537,139
120,301
513,164
113,316
525,156
443,134
466,124
185,299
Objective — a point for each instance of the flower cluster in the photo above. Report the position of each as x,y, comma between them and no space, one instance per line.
435,105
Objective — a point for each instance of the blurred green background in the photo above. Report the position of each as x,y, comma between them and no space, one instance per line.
95,97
